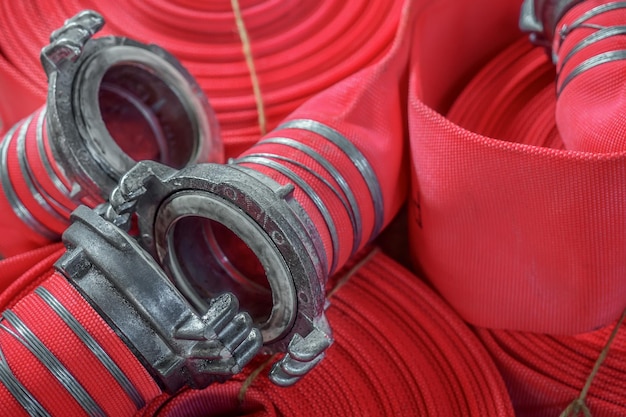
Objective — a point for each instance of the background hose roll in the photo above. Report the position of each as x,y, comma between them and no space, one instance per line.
545,373
299,49
399,350
513,230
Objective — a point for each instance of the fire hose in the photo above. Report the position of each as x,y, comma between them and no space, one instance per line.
565,128
112,101
269,199
514,231
467,189
406,353
299,49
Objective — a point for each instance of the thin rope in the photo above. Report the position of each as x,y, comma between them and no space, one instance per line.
247,51
578,405
253,375
346,277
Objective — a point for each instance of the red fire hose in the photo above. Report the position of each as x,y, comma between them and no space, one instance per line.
299,49
560,158
514,231
402,353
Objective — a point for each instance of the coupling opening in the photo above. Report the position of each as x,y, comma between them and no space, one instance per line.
131,104
197,241
144,116
211,247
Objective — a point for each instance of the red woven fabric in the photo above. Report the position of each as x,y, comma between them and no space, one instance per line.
53,213
399,350
299,49
545,373
514,231
73,354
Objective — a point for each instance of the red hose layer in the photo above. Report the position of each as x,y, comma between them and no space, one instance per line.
399,350
545,373
81,380
299,49
514,231
35,195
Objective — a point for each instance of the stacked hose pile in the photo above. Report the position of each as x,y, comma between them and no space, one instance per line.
299,49
399,350
277,221
516,218
518,210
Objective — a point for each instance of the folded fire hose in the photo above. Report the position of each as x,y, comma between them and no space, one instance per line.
111,102
513,230
549,147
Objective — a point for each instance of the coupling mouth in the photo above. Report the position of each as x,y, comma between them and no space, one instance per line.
133,105
210,247
114,101
225,228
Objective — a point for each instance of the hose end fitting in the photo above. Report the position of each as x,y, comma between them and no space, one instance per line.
540,17
113,101
226,228
177,344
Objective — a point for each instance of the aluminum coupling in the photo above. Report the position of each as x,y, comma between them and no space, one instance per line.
179,345
112,101
540,17
226,228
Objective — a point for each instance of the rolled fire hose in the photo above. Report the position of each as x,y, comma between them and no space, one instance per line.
521,100
273,224
111,101
546,373
298,49
406,353
106,332
513,230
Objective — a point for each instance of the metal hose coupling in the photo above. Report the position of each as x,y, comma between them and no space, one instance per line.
216,228
178,344
540,17
111,102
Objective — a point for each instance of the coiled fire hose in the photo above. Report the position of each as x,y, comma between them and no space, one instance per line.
406,353
298,50
560,136
513,230
111,101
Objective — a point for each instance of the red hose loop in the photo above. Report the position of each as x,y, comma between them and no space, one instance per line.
404,353
544,373
591,52
71,362
512,230
299,49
